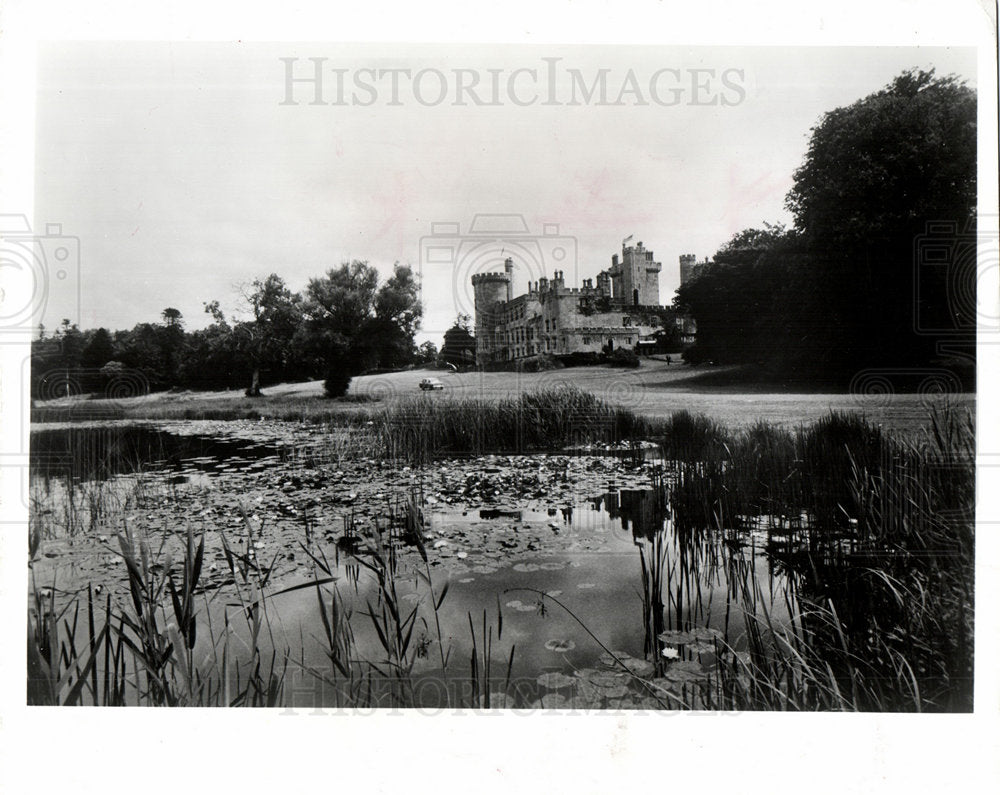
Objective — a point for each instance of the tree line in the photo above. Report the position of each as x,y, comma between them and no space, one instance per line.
342,324
879,268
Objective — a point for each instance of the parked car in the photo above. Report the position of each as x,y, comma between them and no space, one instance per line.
430,384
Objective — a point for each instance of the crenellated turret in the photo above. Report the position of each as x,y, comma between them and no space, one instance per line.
688,264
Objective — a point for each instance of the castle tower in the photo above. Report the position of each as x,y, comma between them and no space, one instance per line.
490,290
508,268
688,263
615,272
604,283
639,276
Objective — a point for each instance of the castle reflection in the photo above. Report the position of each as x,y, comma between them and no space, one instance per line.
642,511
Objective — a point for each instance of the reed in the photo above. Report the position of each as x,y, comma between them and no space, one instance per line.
551,419
875,535
869,604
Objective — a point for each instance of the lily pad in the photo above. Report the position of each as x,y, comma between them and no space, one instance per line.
556,680
613,691
606,684
610,661
639,667
683,672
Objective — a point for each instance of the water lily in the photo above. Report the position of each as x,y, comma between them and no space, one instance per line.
670,653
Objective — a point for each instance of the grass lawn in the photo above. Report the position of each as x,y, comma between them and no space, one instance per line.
654,390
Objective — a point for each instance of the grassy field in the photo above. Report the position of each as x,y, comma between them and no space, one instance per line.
655,390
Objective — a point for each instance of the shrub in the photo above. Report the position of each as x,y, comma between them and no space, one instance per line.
580,359
336,383
540,363
622,357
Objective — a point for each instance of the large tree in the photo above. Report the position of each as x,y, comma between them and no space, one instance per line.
397,318
878,176
266,338
354,325
848,287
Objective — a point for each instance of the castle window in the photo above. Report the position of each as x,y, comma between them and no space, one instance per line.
626,321
586,340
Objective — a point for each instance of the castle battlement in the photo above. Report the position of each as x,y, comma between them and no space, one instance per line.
482,278
688,264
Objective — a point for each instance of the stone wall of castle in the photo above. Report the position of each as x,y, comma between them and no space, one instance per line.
551,318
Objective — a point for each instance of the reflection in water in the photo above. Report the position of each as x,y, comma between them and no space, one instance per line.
621,570
94,453
643,511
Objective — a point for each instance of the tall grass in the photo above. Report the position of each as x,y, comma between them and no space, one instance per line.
544,420
871,538
877,536
148,654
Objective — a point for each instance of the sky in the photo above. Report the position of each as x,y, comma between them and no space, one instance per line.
188,169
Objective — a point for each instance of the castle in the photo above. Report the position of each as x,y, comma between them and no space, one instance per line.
622,309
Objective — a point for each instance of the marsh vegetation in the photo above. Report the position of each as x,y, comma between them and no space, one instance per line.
545,550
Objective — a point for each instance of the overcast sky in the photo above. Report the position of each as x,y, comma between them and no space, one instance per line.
184,171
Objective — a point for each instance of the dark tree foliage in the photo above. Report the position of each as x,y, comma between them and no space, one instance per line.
884,180
98,351
344,324
734,298
265,340
336,382
427,353
459,346
360,326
